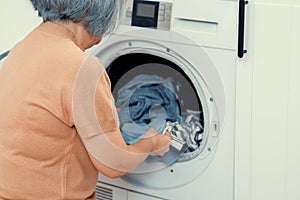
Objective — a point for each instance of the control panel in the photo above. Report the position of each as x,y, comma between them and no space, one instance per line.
150,14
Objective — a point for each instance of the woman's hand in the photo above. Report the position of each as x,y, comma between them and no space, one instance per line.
160,142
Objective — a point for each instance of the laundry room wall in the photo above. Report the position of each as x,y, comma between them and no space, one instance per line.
17,19
268,96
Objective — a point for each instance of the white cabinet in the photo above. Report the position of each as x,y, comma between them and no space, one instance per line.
269,100
286,2
268,96
296,2
293,128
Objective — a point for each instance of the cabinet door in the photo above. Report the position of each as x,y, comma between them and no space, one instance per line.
270,91
293,128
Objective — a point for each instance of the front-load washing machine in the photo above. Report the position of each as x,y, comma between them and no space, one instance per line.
191,43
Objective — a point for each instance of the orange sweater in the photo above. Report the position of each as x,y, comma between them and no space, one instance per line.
41,154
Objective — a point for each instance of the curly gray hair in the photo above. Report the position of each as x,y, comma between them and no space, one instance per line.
99,16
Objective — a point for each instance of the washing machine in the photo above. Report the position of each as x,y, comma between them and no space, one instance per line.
193,43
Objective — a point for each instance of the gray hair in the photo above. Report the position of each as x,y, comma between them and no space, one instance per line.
99,16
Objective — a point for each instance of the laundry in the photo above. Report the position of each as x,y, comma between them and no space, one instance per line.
150,101
189,131
193,124
146,101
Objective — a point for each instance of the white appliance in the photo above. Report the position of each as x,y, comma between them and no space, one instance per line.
195,43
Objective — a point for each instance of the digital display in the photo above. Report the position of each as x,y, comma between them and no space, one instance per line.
145,10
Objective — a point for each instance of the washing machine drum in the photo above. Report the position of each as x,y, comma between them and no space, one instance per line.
151,91
163,86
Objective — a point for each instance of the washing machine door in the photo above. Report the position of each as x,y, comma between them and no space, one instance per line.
196,84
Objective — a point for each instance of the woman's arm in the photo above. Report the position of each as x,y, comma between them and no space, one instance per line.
96,120
158,144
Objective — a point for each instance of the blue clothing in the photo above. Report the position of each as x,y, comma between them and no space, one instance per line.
146,101
153,95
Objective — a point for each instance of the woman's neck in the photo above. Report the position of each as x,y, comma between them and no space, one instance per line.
82,38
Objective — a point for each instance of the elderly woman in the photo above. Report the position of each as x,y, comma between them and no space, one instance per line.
58,123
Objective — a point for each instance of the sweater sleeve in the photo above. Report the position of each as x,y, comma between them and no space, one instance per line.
96,120
94,110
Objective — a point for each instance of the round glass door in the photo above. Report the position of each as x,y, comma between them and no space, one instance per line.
199,94
133,68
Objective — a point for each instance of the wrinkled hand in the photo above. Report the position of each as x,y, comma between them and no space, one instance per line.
160,142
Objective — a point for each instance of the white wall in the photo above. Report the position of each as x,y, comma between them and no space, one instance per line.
17,19
268,80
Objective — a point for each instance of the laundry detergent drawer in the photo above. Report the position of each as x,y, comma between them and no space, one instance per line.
208,22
